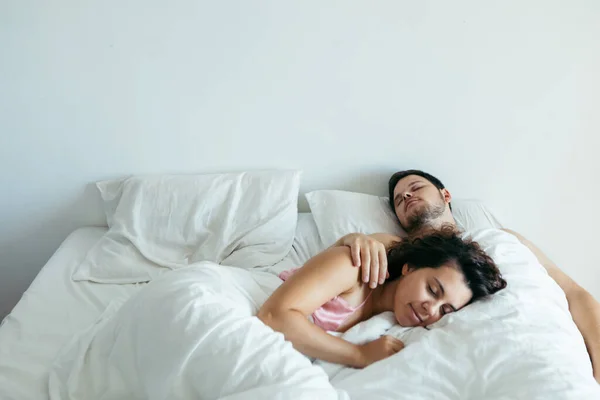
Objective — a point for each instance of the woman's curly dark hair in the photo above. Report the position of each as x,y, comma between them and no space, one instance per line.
436,248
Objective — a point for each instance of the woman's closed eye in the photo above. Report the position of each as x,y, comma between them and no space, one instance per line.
446,309
434,293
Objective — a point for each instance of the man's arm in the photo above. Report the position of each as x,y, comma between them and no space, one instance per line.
370,253
584,309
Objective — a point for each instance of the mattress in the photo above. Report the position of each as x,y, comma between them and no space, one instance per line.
55,308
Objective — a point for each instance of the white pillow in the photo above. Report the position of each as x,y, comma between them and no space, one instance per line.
164,222
338,213
471,215
307,244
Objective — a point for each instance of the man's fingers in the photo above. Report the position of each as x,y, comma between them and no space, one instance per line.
374,268
383,274
365,256
355,250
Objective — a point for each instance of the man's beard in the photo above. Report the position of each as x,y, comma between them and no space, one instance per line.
425,216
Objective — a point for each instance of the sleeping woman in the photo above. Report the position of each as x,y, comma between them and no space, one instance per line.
429,276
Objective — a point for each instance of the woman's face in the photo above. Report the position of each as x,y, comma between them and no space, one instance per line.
425,295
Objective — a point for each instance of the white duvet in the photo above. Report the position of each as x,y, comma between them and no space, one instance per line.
192,334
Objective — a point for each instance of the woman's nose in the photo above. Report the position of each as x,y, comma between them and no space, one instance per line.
430,307
427,307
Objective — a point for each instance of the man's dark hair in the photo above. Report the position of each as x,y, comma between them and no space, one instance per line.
403,174
441,247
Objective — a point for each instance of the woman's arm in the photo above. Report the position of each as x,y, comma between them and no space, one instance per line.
323,277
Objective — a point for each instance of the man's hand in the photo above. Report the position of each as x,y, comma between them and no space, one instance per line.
369,254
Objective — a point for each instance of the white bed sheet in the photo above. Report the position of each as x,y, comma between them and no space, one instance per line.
50,312
520,344
55,308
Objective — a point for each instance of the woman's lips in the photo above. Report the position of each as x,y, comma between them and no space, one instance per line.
415,317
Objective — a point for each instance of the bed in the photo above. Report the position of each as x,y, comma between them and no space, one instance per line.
497,352
50,312
55,307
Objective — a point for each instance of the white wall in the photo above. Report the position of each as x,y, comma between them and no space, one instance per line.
500,99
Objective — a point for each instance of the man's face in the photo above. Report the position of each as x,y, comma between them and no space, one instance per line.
418,202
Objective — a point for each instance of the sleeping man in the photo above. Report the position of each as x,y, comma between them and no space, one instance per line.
421,202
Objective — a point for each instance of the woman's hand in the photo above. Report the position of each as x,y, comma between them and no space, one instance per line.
379,349
369,254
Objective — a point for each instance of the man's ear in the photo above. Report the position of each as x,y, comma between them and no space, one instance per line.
447,196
